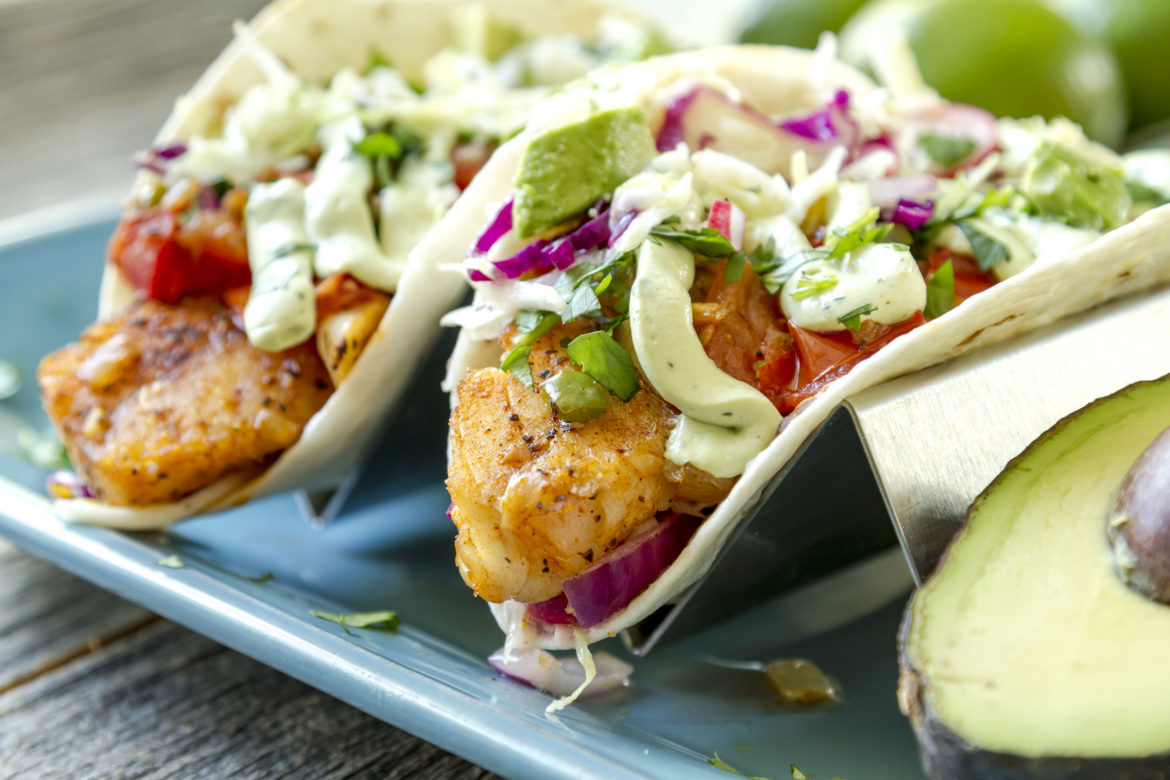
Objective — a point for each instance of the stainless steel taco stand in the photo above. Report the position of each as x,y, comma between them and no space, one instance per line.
899,465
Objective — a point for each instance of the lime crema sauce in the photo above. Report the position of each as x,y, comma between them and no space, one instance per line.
338,217
724,422
281,311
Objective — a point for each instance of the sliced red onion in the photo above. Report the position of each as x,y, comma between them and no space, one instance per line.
500,224
619,226
561,676
478,276
66,484
957,120
832,125
170,151
875,159
148,164
705,118
592,234
609,585
543,255
554,612
912,214
727,220
885,193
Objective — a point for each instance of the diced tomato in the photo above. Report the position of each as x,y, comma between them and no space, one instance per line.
777,369
145,249
818,351
468,158
166,260
969,280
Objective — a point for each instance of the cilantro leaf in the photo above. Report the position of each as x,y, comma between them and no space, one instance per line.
265,577
797,774
719,763
583,303
940,292
533,324
733,271
380,144
856,234
988,252
948,151
600,356
377,60
172,562
706,241
808,286
384,620
516,364
852,319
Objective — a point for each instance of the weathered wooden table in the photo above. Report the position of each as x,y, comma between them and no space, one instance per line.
90,685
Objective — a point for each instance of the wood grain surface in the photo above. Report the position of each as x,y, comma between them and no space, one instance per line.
94,687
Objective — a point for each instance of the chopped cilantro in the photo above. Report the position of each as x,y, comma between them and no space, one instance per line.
532,325
988,252
516,364
583,303
172,562
852,320
381,621
600,356
856,234
265,577
380,144
948,151
940,292
377,60
797,774
733,271
808,286
719,763
706,241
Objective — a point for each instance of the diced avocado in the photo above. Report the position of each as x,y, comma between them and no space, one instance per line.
1066,186
567,169
475,29
1026,653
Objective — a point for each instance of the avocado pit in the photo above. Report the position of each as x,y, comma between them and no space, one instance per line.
1139,528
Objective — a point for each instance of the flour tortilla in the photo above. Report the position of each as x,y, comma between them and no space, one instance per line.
777,81
316,38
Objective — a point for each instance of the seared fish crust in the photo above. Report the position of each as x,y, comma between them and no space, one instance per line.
537,499
161,400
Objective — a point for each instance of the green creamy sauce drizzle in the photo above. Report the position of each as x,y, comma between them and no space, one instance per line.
724,422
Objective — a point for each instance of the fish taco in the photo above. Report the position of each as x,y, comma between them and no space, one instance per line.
690,261
266,294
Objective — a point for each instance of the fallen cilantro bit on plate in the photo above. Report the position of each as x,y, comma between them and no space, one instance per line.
719,763
265,577
172,562
386,620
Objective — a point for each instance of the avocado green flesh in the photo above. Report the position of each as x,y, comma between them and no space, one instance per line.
567,169
1026,639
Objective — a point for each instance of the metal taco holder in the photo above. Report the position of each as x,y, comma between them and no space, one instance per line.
899,464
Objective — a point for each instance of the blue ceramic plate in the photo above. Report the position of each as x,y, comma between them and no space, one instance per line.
391,549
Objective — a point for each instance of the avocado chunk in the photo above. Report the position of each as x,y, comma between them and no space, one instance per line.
476,30
567,169
1025,654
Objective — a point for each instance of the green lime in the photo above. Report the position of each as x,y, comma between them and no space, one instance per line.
797,22
1138,31
1013,57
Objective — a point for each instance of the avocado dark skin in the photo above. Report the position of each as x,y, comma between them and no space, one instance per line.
1143,495
1140,531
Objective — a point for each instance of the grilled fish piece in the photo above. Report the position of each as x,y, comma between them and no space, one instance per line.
161,400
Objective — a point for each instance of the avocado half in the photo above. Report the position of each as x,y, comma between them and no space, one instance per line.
1026,654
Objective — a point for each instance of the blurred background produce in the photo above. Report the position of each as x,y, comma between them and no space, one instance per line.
1103,63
